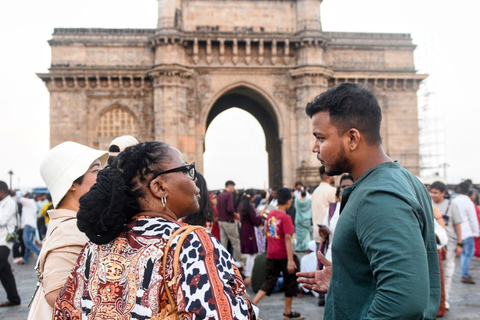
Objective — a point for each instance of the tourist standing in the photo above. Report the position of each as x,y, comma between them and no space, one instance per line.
8,223
69,171
226,219
298,191
470,229
249,220
303,220
322,196
280,257
29,225
331,218
215,226
41,222
385,262
474,197
453,220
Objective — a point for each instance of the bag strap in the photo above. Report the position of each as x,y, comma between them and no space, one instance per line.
37,265
449,203
188,230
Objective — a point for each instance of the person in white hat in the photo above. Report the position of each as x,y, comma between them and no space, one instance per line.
118,145
69,171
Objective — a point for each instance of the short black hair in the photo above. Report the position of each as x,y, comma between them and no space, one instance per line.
4,187
283,195
464,187
298,183
276,187
114,148
347,176
350,105
439,186
229,183
321,171
79,180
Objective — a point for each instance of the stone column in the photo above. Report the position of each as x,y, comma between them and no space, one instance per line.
400,126
309,82
169,14
68,112
308,15
171,115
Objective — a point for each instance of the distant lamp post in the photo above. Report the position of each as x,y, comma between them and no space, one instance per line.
11,174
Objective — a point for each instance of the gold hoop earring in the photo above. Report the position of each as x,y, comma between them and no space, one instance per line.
164,201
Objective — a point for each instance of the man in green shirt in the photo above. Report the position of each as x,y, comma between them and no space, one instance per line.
385,263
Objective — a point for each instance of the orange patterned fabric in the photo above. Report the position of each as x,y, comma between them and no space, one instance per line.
124,279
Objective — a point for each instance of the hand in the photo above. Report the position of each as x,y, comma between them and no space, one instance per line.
291,266
319,280
236,216
458,251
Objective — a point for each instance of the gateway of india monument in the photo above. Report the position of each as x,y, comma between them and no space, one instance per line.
267,57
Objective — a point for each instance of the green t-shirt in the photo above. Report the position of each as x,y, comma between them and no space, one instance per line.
385,262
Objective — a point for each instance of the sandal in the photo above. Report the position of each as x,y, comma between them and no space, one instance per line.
293,316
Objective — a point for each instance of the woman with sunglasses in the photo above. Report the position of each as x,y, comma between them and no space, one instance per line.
130,216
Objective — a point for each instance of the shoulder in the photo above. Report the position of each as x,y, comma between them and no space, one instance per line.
9,203
65,234
376,196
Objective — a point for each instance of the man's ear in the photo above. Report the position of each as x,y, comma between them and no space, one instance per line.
72,188
354,136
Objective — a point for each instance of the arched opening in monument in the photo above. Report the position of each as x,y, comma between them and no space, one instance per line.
235,150
256,105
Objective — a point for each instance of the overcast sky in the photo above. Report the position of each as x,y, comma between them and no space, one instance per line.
445,32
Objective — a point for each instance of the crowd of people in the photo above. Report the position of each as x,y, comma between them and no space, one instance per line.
135,231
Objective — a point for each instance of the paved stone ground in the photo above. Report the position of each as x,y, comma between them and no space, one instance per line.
464,300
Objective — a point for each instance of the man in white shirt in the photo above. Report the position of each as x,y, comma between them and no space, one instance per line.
469,229
298,191
8,222
29,225
453,220
321,198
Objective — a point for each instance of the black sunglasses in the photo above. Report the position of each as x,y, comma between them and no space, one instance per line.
188,168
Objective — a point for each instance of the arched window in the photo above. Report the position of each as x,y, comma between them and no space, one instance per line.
113,123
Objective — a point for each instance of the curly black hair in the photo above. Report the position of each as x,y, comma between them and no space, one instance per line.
244,204
113,199
205,212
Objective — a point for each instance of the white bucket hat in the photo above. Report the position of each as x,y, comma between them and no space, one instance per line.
64,164
122,142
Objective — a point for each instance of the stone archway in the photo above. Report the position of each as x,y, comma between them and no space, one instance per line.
254,103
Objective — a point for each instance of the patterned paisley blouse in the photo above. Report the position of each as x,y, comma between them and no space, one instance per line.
124,278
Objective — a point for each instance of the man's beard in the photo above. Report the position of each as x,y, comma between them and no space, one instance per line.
341,165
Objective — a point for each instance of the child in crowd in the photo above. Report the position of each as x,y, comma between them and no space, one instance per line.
280,257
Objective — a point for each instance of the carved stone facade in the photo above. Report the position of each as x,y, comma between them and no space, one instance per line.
267,57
